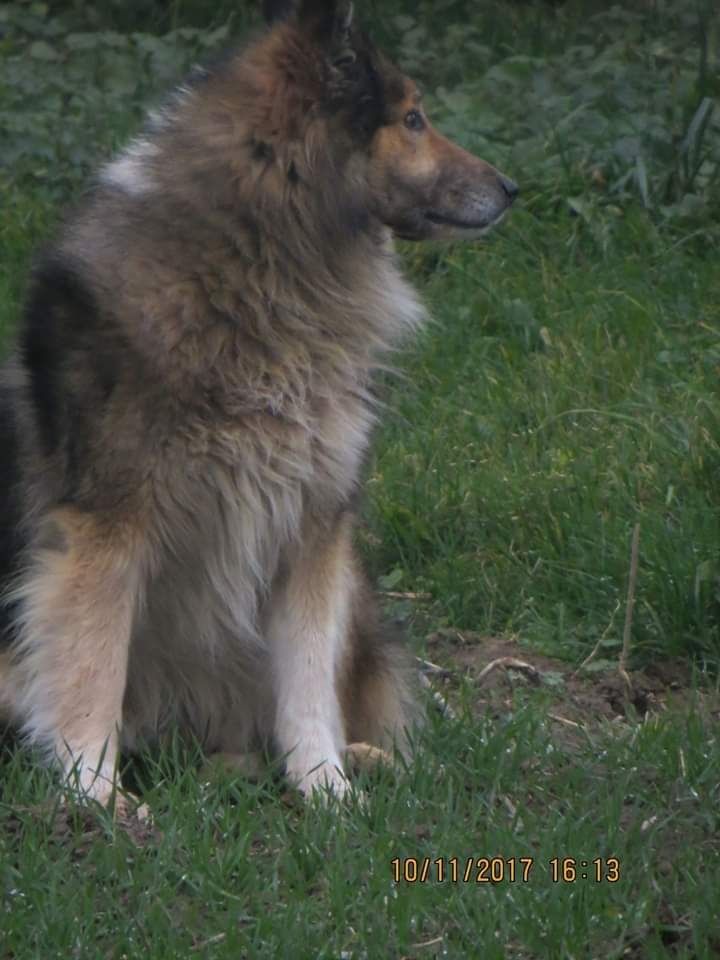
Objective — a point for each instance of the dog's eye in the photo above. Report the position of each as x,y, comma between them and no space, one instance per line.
414,120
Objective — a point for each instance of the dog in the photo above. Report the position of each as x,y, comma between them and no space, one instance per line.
186,413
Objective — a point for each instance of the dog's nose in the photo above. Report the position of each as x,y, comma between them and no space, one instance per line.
510,187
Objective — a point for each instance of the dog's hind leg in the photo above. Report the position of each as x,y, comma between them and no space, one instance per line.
7,699
77,603
381,695
307,632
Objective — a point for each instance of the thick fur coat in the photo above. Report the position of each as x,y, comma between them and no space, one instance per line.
190,404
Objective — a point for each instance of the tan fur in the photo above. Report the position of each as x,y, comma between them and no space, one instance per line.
79,605
191,407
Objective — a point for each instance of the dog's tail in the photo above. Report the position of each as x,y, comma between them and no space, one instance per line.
382,692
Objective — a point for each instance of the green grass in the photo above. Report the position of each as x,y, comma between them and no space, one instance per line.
243,870
566,390
564,394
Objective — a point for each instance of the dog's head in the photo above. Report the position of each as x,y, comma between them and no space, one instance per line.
421,185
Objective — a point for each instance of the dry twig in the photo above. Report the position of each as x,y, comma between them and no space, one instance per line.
565,720
511,663
591,656
210,941
428,943
400,595
629,606
439,700
432,669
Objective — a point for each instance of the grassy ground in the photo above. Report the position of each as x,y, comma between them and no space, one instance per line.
566,391
242,870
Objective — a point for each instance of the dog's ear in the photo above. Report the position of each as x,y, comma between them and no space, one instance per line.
352,81
274,10
330,24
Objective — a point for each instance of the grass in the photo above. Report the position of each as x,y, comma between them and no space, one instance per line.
566,390
243,870
563,395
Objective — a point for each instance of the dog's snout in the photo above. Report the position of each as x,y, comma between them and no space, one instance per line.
510,187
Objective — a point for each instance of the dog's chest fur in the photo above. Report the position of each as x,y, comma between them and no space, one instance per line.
254,440
243,481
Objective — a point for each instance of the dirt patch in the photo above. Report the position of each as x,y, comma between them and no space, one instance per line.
79,827
576,698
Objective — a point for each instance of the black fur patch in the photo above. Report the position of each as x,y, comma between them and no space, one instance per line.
11,541
363,89
59,312
70,351
262,152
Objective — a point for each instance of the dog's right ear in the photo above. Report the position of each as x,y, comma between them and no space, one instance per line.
274,10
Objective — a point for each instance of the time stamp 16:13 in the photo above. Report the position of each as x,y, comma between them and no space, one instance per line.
503,869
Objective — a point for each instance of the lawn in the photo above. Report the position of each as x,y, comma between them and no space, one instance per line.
565,395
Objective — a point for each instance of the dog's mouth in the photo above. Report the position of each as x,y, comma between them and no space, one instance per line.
446,225
458,223
444,220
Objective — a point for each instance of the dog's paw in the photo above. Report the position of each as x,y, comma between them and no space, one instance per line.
325,783
364,757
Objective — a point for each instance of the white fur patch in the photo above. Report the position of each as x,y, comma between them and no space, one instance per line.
130,170
307,636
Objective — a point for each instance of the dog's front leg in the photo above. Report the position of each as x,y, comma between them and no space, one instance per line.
307,633
78,598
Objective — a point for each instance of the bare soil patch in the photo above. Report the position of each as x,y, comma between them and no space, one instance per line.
576,697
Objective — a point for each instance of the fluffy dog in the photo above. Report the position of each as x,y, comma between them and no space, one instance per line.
186,413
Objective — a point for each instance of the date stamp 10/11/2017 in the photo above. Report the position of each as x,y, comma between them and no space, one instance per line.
503,869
